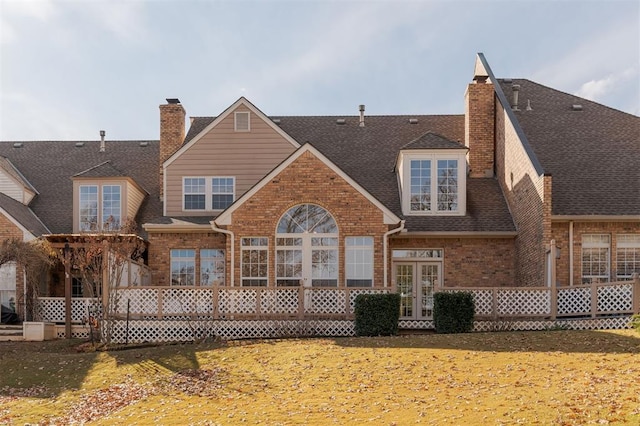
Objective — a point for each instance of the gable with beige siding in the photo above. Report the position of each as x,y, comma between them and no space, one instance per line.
245,155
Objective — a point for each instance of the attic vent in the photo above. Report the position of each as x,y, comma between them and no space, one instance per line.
413,121
144,143
341,121
276,121
576,107
242,121
79,144
17,145
507,80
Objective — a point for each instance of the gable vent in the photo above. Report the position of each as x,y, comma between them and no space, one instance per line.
341,121
17,145
576,107
79,144
242,121
413,121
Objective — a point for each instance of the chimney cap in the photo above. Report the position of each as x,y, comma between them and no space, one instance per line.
102,133
173,101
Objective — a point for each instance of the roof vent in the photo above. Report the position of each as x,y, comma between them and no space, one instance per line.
79,144
528,108
276,121
102,145
144,143
514,102
341,121
173,101
361,115
413,121
507,80
17,145
576,107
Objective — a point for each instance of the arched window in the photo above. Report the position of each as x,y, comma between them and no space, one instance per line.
307,247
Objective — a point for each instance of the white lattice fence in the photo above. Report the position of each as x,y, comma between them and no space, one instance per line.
188,301
524,302
483,299
237,301
574,301
324,301
142,301
618,298
52,309
279,301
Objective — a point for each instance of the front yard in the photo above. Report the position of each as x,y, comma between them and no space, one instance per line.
553,377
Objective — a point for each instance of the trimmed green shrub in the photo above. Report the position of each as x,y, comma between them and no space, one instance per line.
453,312
377,314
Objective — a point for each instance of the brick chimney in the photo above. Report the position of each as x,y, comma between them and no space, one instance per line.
172,132
479,126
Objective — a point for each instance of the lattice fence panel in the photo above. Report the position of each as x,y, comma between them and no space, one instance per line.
524,302
52,309
576,301
279,301
483,300
187,301
416,325
237,301
615,298
354,293
324,301
142,301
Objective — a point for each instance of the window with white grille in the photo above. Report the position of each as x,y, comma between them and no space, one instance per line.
211,267
359,261
627,256
183,267
595,258
255,259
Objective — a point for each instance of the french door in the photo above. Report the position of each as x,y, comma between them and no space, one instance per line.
416,282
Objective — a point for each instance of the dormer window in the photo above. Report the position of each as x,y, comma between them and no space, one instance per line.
242,121
100,208
433,183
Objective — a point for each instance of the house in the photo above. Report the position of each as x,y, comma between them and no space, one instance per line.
530,187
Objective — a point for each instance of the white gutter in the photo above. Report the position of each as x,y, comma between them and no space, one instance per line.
385,248
571,253
595,218
24,288
230,234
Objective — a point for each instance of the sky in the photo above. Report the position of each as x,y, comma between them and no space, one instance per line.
69,69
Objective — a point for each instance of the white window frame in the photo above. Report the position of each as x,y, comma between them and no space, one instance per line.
208,192
98,209
404,176
248,248
358,260
589,242
235,121
217,257
627,243
100,206
183,259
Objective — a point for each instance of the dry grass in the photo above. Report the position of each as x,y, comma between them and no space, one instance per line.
546,378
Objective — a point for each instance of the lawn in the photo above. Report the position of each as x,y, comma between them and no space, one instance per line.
546,378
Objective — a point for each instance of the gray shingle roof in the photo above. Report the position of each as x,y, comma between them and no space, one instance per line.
10,169
50,165
593,154
23,215
101,170
432,140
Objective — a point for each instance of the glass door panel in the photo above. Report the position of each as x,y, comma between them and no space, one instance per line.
404,281
429,278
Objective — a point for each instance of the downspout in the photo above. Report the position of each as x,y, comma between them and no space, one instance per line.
571,253
232,236
385,248
24,289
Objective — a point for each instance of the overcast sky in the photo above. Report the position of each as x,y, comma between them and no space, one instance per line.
71,68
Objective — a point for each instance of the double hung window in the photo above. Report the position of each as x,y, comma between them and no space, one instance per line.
359,261
627,256
208,193
255,257
595,258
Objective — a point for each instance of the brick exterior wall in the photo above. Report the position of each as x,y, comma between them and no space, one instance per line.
9,230
560,232
172,133
479,128
529,198
468,262
160,245
309,180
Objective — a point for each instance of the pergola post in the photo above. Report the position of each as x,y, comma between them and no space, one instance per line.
67,291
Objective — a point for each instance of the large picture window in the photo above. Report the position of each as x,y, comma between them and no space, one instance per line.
627,256
595,258
211,267
255,259
183,267
307,247
359,261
